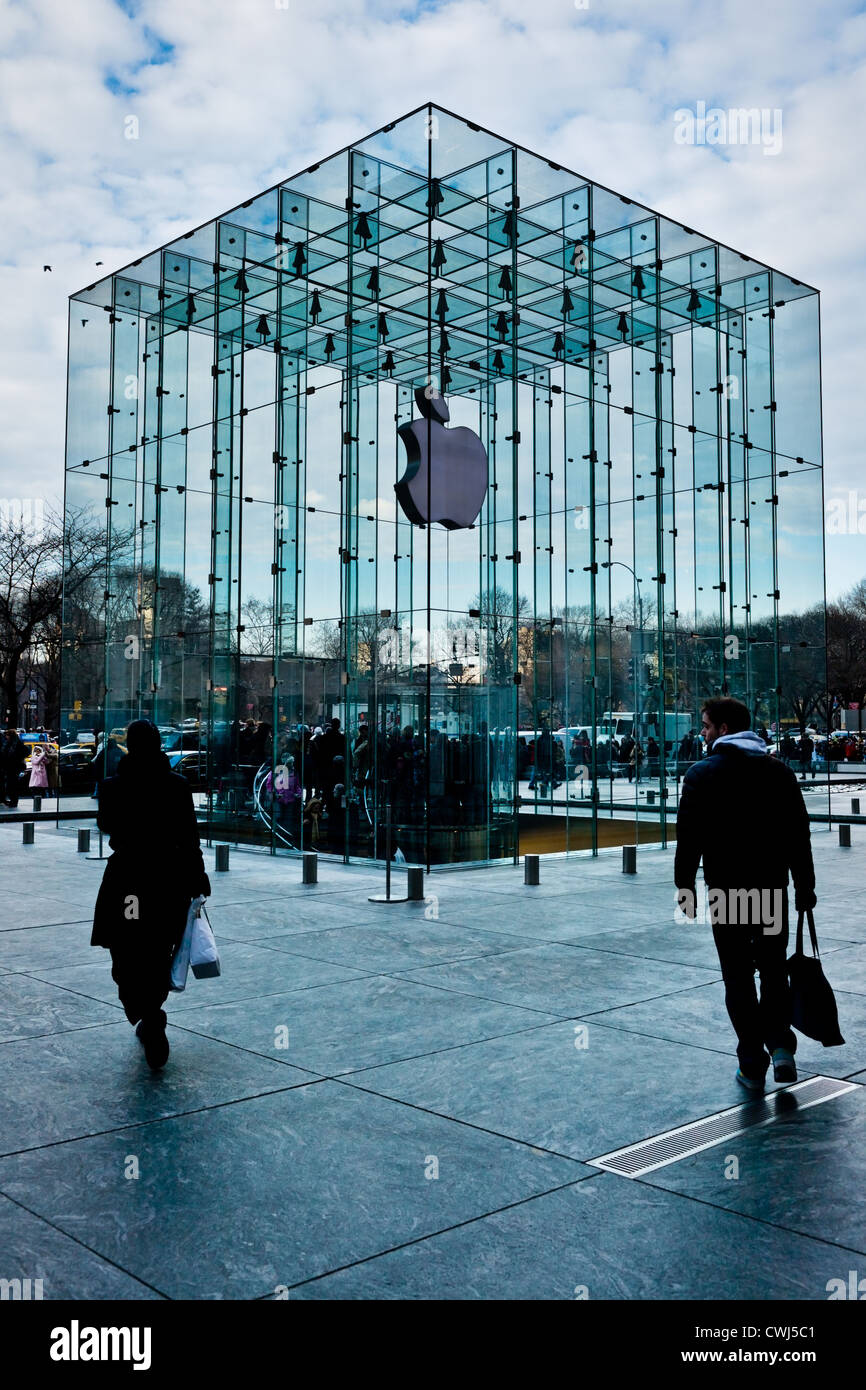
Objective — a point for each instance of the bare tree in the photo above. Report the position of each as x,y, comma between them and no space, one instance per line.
32,583
500,613
257,637
846,646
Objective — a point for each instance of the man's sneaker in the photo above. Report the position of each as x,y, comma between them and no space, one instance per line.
784,1066
751,1083
152,1037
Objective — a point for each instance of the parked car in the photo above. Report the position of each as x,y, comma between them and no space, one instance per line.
74,763
177,741
193,766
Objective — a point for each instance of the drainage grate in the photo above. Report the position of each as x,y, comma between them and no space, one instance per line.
649,1154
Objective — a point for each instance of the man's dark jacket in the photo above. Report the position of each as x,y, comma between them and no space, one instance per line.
744,814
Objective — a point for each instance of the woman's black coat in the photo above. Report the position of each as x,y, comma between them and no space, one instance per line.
157,865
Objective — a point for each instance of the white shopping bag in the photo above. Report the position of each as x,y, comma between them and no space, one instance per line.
180,960
203,953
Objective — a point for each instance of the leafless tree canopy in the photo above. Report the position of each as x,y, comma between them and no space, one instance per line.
31,593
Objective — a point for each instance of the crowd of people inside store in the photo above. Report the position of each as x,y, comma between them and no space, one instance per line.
314,771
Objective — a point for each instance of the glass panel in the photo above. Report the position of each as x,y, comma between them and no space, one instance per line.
632,428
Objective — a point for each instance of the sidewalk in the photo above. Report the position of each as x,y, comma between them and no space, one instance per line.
404,1102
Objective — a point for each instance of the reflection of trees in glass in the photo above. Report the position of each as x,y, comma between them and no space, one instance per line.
383,644
31,588
146,628
846,646
257,620
742,662
498,612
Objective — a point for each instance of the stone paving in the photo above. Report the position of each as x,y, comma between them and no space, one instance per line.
386,1102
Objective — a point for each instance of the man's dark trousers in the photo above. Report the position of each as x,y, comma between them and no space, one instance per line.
765,1021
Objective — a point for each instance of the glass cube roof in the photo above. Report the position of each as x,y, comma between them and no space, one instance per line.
434,239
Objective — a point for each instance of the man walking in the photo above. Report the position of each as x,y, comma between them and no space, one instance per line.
743,813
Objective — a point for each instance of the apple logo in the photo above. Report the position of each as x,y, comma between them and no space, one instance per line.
446,469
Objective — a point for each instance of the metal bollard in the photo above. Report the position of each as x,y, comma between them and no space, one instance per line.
28,828
855,806
844,837
629,859
84,842
37,805
531,869
222,859
310,866
415,880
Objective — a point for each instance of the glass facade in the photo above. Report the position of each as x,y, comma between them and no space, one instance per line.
651,530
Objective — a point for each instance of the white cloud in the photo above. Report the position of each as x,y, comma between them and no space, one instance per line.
232,95
383,508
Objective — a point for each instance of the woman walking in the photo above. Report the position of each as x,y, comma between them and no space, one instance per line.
155,871
44,773
38,770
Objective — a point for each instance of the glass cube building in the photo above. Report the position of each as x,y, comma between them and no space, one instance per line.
644,528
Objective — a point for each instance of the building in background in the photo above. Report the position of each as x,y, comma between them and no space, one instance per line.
646,528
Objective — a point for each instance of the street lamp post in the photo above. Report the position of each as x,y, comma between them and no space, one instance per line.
607,564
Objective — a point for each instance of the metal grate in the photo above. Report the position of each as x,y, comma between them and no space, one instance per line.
674,1144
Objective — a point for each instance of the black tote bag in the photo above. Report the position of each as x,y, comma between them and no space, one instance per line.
813,1006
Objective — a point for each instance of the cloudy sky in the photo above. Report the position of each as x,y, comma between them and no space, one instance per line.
232,95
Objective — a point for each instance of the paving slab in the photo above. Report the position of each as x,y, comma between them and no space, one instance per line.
699,1016
324,1175
32,1249
847,968
96,1079
24,911
600,1236
564,917
248,971
563,1090
511,915
30,1008
359,1023
397,944
679,943
34,948
805,1172
283,875
254,918
841,921
564,979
